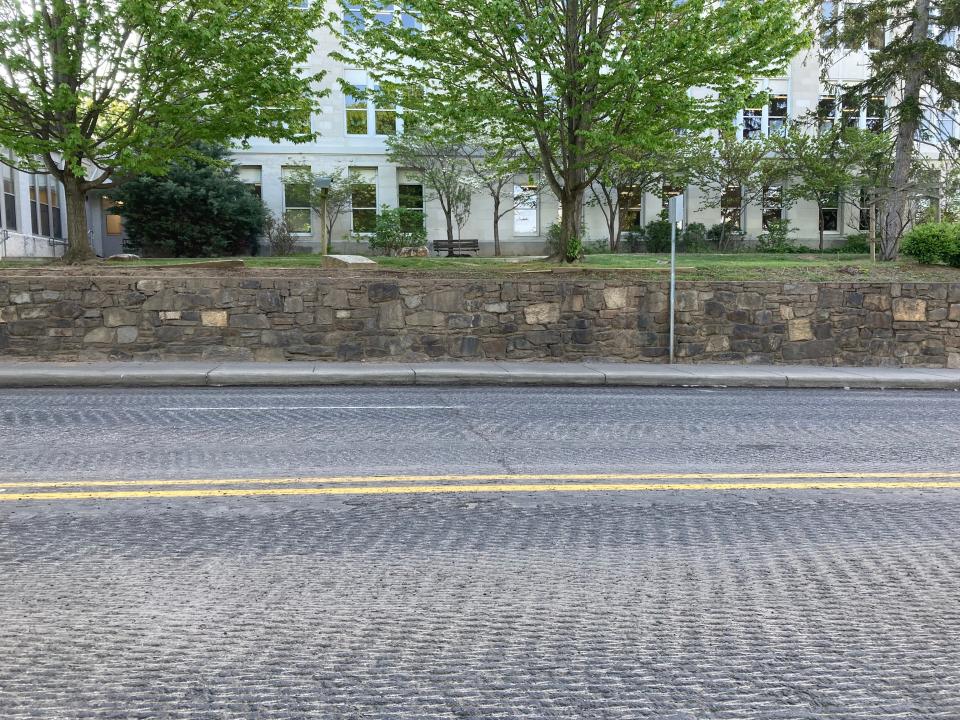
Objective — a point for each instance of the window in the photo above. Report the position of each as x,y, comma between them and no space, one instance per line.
385,14
876,107
45,207
772,205
830,213
752,123
411,196
296,200
364,199
356,103
252,177
826,113
525,215
731,206
777,116
631,208
8,209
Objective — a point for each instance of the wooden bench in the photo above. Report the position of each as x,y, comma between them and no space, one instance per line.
453,248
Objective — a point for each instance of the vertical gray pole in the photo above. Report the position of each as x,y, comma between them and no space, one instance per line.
673,280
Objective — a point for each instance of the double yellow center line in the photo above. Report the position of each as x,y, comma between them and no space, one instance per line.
473,483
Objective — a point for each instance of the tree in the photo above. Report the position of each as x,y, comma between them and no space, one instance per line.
438,159
197,209
572,83
620,179
90,87
826,167
724,163
914,63
495,167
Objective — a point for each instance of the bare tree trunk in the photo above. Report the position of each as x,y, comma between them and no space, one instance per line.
571,207
820,225
78,241
895,217
448,215
496,225
873,226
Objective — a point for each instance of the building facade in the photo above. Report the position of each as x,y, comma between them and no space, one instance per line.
33,220
352,135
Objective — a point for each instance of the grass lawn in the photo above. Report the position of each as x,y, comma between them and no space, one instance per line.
739,266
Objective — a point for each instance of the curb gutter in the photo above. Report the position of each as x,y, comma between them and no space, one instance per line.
218,374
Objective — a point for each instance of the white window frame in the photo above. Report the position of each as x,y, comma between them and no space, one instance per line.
839,208
765,206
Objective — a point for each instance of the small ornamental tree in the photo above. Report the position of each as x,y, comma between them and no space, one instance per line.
622,178
328,203
92,87
718,164
825,167
438,159
495,168
197,209
572,84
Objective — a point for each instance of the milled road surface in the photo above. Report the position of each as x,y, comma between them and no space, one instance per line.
418,553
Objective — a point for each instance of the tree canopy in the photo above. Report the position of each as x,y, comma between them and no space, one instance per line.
576,83
90,87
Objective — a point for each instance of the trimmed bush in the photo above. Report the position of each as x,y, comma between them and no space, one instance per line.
658,236
933,243
777,239
398,228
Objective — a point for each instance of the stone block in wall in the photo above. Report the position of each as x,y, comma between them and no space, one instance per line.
616,298
391,315
115,317
909,310
100,335
381,292
541,313
249,320
214,318
444,301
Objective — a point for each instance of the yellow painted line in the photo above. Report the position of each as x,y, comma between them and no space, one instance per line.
528,488
506,477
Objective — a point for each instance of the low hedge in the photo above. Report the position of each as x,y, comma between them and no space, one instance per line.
933,244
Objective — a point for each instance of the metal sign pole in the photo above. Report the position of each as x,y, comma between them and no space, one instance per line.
676,217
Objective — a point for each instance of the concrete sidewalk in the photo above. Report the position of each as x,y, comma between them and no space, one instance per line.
221,374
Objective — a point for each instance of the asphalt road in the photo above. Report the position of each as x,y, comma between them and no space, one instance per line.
460,553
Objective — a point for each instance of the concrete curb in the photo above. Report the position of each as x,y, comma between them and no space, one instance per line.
217,374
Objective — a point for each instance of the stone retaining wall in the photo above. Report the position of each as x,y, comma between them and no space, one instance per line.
328,317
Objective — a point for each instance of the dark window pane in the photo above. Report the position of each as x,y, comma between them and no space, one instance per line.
411,196
357,122
296,195
57,228
10,209
386,122
298,220
771,215
364,196
829,218
364,220
752,122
